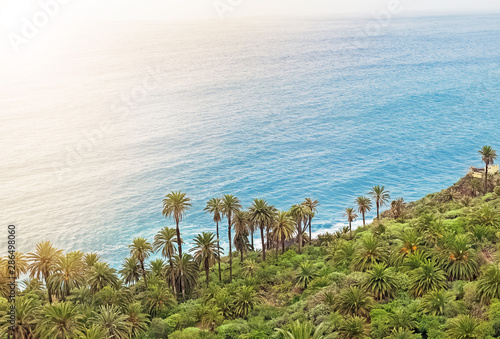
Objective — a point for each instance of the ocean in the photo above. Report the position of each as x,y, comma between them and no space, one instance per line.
102,124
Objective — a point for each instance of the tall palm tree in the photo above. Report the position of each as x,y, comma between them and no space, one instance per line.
215,207
351,215
261,213
69,273
381,197
368,253
141,250
101,275
300,214
187,268
312,205
206,251
59,321
175,205
231,205
43,262
240,223
459,259
252,227
489,156
364,206
164,241
131,270
354,327
283,229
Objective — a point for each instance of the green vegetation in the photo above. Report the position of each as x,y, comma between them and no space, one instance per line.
426,269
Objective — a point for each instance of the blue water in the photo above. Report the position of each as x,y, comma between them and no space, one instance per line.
276,109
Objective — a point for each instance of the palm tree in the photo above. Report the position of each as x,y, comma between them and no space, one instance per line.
43,262
175,205
460,260
381,197
261,213
91,258
283,229
354,327
60,320
351,215
250,267
141,250
368,253
114,323
245,300
241,231
355,301
488,285
92,332
307,272
26,318
489,156
206,251
401,333
364,206
131,271
212,317
381,281
303,330
312,205
344,253
401,318
231,205
101,275
215,207
187,268
21,264
434,303
164,241
137,319
465,327
252,227
69,273
300,213
159,297
427,278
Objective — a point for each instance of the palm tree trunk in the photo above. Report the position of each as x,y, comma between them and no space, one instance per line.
277,248
267,237
251,234
282,244
179,241
241,254
310,229
350,228
364,224
172,276
263,243
144,273
378,214
218,246
299,229
206,270
486,179
48,289
230,249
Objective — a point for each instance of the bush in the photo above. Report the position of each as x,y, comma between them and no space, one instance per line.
188,333
233,329
497,191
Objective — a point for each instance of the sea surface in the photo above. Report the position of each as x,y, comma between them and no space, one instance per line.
98,127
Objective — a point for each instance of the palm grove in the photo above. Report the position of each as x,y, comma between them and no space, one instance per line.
423,269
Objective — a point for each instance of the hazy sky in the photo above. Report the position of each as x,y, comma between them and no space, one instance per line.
12,10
